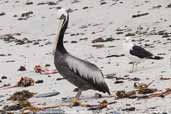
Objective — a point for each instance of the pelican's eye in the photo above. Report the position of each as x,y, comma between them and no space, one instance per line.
62,17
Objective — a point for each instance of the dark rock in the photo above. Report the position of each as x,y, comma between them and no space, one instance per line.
135,79
86,7
75,1
60,78
110,76
119,32
22,68
48,3
4,77
36,43
84,26
10,61
169,6
51,3
83,39
29,3
47,65
115,55
118,81
156,7
161,54
98,46
102,3
20,42
139,15
102,40
2,13
39,81
2,55
129,109
27,14
15,15
73,41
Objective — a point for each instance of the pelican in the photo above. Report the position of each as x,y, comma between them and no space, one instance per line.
80,73
136,53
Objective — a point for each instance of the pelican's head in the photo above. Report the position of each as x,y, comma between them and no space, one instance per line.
62,14
62,20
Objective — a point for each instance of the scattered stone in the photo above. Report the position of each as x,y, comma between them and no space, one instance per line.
51,3
22,68
2,13
39,81
4,77
156,7
83,27
169,6
29,3
2,55
129,109
86,7
118,81
48,3
139,15
135,79
27,14
47,65
73,41
50,94
102,40
6,85
60,78
110,76
103,3
119,32
98,46
83,39
121,55
75,1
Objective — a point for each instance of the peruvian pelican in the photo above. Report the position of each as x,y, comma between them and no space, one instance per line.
80,73
136,53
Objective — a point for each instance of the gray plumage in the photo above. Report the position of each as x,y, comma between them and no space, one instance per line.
81,73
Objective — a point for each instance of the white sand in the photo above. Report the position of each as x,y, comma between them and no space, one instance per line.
104,20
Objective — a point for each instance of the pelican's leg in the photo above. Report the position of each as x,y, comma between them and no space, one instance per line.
136,65
133,67
78,94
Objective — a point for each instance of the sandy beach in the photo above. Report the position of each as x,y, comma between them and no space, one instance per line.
95,33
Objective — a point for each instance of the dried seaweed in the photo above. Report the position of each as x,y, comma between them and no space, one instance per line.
25,82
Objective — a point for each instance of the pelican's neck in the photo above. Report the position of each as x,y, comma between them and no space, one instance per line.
60,36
